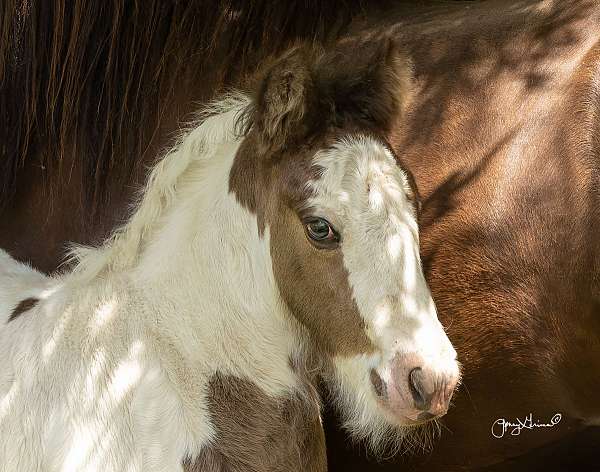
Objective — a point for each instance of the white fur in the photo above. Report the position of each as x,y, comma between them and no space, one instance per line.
363,193
19,282
109,372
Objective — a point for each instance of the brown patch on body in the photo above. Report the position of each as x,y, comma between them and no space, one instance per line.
259,433
22,307
304,103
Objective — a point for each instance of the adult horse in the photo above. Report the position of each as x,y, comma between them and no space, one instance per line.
501,130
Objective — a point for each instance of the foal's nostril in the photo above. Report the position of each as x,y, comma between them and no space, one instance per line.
378,383
417,389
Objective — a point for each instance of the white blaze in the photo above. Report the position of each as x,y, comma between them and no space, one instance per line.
365,194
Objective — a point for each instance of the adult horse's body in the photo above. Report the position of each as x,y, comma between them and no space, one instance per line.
502,134
504,137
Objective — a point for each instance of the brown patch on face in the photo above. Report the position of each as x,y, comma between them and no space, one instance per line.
313,282
258,433
22,307
303,103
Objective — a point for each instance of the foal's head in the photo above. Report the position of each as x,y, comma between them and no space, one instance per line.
341,214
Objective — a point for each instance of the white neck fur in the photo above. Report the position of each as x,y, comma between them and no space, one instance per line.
194,254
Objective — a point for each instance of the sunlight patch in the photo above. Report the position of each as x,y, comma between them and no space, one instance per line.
57,332
127,374
394,245
48,292
375,200
103,314
7,400
97,366
411,271
80,448
382,317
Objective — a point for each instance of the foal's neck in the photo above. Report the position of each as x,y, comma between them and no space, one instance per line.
206,273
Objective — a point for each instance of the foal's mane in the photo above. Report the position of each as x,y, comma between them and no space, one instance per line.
219,122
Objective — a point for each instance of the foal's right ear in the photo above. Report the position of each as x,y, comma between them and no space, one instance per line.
282,99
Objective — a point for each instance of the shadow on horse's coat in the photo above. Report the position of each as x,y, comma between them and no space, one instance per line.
501,135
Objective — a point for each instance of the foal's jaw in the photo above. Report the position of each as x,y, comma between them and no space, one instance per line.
410,377
418,372
396,388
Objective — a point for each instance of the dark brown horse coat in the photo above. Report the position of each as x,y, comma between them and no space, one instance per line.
503,140
502,133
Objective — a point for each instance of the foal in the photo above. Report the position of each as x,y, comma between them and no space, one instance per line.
276,242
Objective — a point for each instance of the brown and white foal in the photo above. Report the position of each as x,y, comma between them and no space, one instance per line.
276,242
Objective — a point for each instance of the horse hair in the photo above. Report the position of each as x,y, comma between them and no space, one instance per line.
75,76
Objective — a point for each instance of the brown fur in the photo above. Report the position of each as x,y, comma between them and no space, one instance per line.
502,137
304,102
73,76
22,307
257,433
520,296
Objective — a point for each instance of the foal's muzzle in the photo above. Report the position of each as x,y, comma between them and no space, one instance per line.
419,389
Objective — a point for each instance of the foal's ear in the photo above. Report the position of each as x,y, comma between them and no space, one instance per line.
281,102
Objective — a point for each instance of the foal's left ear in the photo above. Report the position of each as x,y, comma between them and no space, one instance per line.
281,101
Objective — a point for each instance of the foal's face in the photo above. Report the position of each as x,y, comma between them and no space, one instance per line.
341,220
345,252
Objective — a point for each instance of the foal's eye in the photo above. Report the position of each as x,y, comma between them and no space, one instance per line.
320,232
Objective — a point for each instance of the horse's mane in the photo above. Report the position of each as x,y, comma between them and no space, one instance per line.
91,79
219,122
